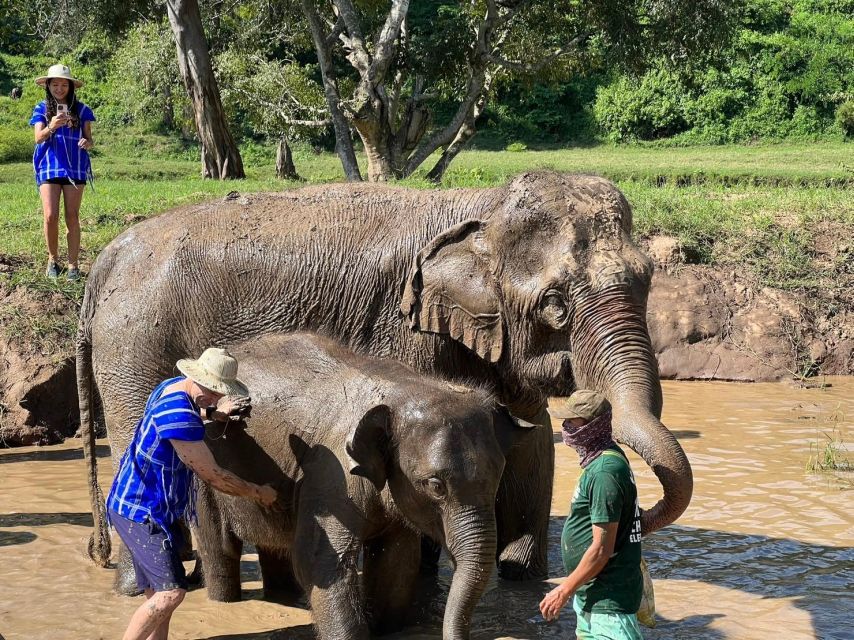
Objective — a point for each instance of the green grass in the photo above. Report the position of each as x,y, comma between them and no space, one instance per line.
759,209
759,205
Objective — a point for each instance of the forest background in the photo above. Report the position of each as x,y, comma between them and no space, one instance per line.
728,126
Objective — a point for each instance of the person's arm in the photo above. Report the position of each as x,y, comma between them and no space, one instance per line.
86,140
196,455
591,564
44,132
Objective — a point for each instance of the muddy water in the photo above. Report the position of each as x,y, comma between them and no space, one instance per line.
764,551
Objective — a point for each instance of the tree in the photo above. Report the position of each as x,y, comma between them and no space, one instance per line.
220,156
454,52
278,99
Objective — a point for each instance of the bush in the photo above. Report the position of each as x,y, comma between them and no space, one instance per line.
646,109
16,144
845,118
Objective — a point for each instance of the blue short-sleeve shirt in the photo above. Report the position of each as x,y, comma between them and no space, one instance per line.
59,156
152,483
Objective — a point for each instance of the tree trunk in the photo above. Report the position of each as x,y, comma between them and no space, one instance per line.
285,168
220,156
466,133
343,141
376,135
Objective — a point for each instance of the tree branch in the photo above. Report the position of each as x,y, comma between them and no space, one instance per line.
523,67
384,45
281,113
337,30
353,39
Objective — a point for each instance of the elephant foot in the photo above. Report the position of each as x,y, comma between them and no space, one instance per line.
523,560
220,591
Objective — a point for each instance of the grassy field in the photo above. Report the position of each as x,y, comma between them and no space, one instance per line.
757,204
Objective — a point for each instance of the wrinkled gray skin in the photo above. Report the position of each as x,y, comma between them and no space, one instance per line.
534,288
365,454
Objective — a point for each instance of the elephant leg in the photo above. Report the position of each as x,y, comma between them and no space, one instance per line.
325,558
523,505
389,574
277,575
219,553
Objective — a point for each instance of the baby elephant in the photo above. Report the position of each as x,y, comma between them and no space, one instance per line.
366,455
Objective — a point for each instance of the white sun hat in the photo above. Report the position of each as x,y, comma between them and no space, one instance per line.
216,369
58,71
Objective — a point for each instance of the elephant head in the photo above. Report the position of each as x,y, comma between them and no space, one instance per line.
548,287
442,462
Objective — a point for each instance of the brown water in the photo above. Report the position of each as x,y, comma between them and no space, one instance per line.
763,552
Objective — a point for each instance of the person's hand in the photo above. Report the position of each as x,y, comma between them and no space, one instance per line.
554,601
59,120
233,408
85,144
267,496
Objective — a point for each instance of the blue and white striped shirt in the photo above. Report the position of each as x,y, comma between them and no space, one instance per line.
59,156
152,482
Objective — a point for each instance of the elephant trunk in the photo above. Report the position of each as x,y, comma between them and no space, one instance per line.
622,366
471,537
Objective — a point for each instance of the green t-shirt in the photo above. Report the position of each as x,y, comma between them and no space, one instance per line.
606,492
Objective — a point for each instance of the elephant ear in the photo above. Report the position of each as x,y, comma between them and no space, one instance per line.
450,290
367,446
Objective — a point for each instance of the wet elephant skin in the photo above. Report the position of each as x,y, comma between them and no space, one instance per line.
532,288
366,455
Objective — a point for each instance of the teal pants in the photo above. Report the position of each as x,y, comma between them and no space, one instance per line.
606,626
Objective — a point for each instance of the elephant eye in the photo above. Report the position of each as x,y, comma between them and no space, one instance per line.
435,487
554,310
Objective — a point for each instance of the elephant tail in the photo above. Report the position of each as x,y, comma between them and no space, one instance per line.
99,542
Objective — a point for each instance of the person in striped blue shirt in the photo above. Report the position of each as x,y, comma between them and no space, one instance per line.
153,488
63,136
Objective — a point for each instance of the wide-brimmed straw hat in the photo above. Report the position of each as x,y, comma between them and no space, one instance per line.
582,404
216,369
58,71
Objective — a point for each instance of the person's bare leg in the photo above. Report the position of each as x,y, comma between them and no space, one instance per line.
50,209
73,196
154,612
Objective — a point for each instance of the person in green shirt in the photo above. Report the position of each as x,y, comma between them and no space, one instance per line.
601,540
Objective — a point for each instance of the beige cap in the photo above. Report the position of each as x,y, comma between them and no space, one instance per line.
216,369
582,404
58,71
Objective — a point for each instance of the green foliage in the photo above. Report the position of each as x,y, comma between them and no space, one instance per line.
143,86
646,109
786,74
269,97
16,144
845,118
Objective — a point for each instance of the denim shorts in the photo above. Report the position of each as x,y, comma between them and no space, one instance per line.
156,561
606,626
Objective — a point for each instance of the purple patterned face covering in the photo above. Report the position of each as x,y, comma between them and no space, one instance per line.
590,439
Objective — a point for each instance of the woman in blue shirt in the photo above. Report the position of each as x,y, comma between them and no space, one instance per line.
63,135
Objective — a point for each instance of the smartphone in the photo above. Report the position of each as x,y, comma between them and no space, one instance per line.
62,109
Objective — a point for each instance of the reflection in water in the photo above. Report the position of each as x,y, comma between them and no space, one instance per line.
763,551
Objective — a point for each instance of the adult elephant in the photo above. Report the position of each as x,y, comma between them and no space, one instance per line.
534,288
